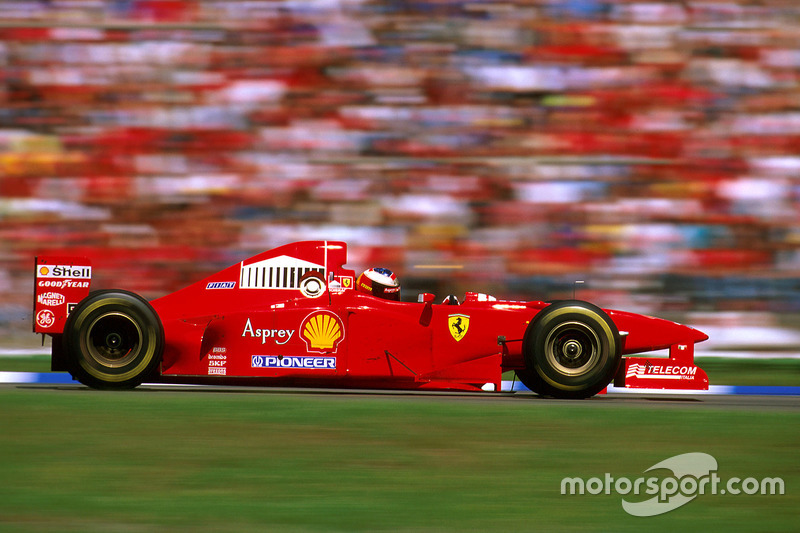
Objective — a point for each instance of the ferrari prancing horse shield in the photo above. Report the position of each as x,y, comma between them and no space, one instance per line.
458,324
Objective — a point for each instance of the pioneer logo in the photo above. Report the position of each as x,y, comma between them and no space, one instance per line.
308,363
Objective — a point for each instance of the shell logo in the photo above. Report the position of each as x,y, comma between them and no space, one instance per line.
44,271
322,331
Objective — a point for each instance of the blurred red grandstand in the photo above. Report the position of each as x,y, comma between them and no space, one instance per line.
648,147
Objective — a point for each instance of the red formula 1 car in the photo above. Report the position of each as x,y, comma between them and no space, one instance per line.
292,317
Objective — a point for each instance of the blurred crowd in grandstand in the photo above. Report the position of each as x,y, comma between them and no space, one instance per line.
650,148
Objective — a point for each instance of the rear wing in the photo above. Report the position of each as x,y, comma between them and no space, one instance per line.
60,283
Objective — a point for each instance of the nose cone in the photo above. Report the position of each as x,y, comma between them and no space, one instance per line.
646,333
699,336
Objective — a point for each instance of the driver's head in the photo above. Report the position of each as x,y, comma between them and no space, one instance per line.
380,282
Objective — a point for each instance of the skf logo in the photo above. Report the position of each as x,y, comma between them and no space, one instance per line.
458,324
322,332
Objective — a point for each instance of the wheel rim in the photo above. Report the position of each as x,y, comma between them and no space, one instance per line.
572,348
113,340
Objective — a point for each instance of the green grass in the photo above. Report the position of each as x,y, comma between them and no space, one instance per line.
31,363
770,372
145,460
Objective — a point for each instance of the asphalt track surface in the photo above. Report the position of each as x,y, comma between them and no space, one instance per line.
653,401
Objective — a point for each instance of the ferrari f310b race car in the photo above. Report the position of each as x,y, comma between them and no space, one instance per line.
292,317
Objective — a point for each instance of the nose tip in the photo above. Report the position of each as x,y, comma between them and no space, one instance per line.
698,336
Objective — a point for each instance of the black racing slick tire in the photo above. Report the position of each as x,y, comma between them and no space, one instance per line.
572,349
530,379
113,339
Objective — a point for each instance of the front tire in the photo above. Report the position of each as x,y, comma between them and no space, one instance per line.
113,340
572,349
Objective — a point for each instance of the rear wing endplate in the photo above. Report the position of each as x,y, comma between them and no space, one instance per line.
59,284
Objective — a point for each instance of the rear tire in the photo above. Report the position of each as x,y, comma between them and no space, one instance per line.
113,340
572,349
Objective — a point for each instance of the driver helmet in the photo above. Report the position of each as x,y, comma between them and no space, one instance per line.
380,282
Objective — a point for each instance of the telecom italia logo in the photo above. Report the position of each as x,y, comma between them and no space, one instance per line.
693,474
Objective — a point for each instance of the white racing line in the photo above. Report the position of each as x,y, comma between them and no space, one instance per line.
712,389
60,378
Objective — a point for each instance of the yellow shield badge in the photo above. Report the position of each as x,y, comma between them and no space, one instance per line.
458,324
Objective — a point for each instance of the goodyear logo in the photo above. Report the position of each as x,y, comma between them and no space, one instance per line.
322,331
458,325
309,363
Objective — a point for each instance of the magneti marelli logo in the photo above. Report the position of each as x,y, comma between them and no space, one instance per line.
692,474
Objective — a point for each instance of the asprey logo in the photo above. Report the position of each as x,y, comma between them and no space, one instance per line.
322,331
278,336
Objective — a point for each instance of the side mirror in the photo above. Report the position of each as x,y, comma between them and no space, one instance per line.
427,311
426,298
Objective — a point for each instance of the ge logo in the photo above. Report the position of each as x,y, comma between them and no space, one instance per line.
45,318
